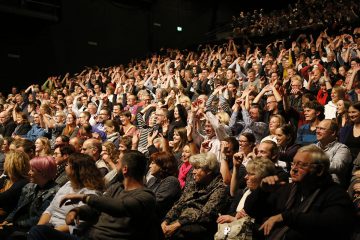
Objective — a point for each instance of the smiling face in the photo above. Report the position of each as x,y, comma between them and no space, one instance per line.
281,138
354,115
38,145
301,166
186,154
310,114
274,124
252,181
340,107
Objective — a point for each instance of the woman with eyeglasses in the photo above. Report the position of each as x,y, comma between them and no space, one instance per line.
84,178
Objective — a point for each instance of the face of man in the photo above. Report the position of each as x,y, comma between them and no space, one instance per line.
92,108
116,110
264,150
103,116
209,130
36,119
254,114
301,166
160,117
88,149
3,117
323,132
83,119
131,100
310,114
271,103
58,156
251,76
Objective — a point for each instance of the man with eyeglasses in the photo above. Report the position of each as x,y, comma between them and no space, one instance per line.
93,148
61,155
338,153
312,206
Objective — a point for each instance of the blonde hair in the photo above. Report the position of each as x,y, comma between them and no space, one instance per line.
223,117
46,142
17,165
261,167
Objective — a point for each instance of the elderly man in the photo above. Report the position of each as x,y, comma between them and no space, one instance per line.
92,147
194,215
7,124
338,153
312,206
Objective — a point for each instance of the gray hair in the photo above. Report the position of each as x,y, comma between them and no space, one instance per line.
318,156
206,161
261,167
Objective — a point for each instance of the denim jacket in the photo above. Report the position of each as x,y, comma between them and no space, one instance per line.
32,203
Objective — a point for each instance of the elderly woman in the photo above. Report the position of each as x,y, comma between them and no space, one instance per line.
16,168
84,178
165,185
257,169
34,199
194,214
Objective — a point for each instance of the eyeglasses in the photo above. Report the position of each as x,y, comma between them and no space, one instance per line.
271,102
301,165
321,129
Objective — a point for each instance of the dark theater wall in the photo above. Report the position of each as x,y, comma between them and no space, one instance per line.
101,32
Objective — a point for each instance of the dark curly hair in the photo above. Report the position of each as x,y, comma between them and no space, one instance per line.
84,172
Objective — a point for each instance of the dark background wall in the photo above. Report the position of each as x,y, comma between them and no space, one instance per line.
74,34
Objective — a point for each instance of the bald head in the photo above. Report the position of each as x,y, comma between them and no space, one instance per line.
92,147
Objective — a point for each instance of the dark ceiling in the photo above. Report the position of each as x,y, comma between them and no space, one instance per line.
43,37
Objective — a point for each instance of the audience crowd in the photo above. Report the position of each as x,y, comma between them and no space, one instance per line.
174,145
300,15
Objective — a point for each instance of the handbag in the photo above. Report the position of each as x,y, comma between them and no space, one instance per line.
240,229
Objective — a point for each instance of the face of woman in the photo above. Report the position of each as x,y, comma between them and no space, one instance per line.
154,168
185,154
280,137
244,144
274,124
334,96
19,119
176,113
38,146
69,119
340,107
199,175
4,146
342,71
354,115
252,181
36,177
124,120
176,137
104,153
